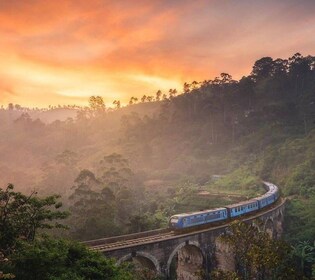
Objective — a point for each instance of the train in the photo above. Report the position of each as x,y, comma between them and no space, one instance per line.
212,216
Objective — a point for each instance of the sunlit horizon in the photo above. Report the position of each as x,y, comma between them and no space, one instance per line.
59,54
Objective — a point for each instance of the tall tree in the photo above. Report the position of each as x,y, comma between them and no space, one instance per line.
21,216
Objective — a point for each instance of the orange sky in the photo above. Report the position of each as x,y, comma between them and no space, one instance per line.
62,52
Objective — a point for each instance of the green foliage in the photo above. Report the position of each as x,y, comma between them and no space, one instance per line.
52,259
224,275
21,216
256,254
305,254
240,179
300,219
302,179
93,208
26,255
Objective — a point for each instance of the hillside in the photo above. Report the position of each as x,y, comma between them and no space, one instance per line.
259,127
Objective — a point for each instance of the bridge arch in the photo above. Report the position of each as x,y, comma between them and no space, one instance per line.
143,258
269,227
258,224
192,247
278,225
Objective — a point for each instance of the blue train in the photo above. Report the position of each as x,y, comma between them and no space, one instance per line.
189,220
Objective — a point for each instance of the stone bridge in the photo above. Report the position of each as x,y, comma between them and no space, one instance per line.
162,251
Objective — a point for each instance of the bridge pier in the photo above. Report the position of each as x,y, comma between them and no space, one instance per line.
224,256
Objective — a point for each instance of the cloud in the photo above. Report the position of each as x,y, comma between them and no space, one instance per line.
6,93
122,48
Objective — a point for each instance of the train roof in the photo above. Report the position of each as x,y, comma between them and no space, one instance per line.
199,212
242,203
270,185
267,194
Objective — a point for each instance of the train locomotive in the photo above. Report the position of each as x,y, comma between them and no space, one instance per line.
206,217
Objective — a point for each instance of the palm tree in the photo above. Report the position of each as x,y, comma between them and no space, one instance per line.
305,252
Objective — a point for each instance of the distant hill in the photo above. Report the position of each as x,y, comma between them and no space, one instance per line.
62,114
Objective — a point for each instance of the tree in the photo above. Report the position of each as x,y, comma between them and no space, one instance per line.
186,88
117,103
158,95
93,208
24,119
143,98
262,68
305,253
150,98
67,158
115,171
172,93
256,254
97,104
22,216
133,100
17,107
57,259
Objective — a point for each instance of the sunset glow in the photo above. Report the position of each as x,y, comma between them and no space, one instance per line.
62,52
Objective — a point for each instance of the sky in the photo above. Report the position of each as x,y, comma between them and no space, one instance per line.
62,52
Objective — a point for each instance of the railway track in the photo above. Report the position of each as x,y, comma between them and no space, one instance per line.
132,242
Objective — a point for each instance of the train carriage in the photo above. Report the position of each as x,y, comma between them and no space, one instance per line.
269,197
242,208
187,220
266,200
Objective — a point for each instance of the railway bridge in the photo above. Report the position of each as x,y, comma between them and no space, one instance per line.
158,250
